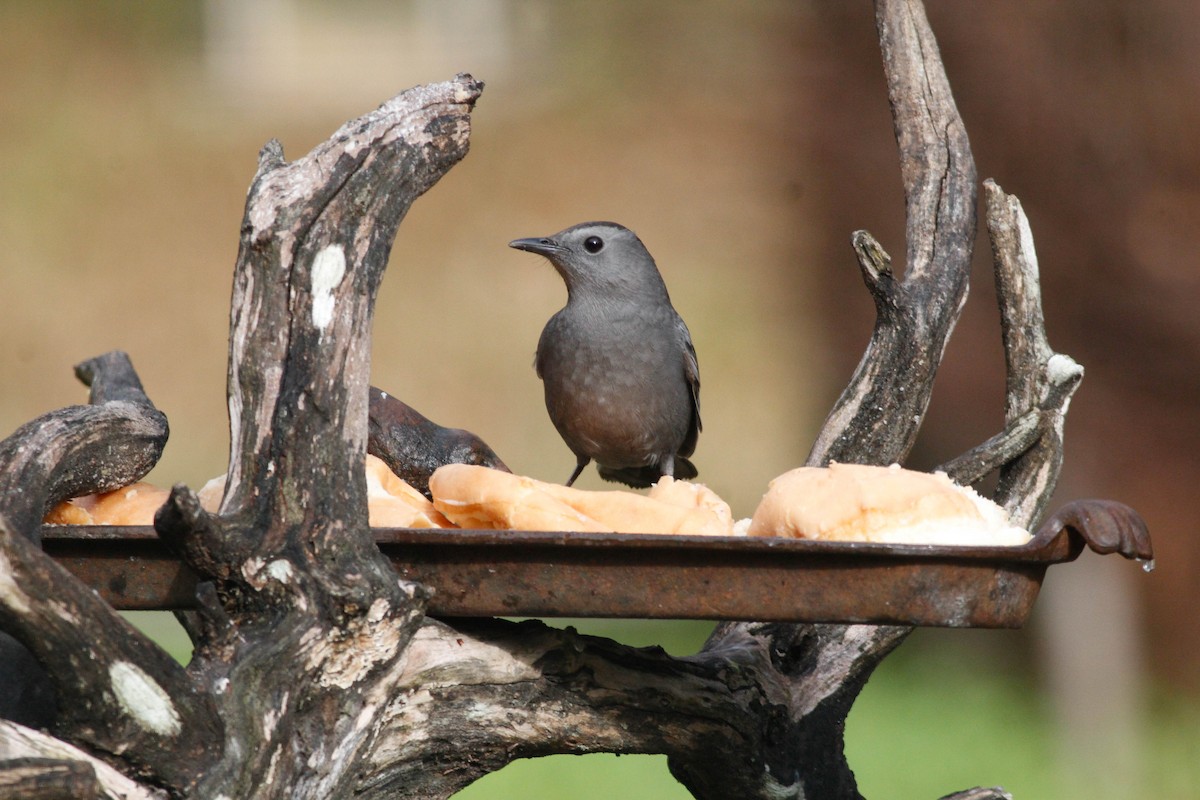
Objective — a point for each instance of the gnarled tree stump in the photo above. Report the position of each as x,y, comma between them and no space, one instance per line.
316,672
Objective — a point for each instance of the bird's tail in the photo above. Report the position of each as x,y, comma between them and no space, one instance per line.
643,477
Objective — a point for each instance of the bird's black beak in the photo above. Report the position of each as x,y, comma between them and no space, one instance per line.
544,246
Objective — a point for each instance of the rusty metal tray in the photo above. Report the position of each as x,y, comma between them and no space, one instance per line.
538,574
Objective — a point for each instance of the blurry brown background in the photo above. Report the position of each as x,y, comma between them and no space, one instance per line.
743,142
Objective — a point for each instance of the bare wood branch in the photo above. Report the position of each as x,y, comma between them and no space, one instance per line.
413,446
877,418
1017,437
1037,376
78,449
48,779
980,793
504,690
303,628
125,697
1040,382
315,241
110,443
318,281
19,743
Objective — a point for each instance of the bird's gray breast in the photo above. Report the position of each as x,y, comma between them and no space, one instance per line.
615,384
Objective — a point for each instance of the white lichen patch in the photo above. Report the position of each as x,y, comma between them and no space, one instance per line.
774,789
259,573
1027,248
1061,368
143,699
328,269
251,568
378,611
272,716
64,612
281,570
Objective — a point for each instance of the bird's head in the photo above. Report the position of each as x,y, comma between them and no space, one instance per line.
599,258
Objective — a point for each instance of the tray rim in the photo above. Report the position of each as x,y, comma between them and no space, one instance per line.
1049,546
462,567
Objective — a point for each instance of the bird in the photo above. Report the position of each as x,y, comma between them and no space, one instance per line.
617,362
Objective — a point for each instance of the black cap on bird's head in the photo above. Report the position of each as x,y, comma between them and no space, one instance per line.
598,255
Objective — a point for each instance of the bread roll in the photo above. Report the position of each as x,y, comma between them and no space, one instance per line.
853,502
391,503
130,505
478,497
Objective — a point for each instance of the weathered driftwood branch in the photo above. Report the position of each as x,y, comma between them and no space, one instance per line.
877,418
112,442
303,633
980,793
413,446
39,758
118,693
126,695
1038,378
1040,382
47,779
108,444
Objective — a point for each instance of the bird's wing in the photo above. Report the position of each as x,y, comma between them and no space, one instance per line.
540,355
691,371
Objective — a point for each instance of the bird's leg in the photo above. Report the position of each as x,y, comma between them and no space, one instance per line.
582,462
666,466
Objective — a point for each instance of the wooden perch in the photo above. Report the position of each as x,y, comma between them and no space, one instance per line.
316,672
878,416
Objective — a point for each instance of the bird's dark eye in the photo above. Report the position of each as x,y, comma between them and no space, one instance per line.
593,244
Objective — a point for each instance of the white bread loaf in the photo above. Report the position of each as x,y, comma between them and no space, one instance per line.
479,497
854,502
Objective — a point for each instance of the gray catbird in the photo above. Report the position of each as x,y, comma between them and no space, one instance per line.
620,374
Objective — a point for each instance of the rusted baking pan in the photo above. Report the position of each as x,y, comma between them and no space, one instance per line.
538,574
